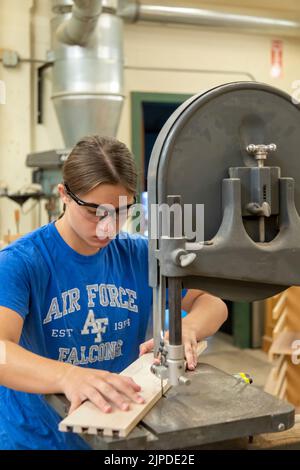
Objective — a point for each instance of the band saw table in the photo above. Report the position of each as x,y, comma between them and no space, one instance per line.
235,150
215,407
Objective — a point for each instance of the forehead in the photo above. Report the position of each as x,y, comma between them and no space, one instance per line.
106,194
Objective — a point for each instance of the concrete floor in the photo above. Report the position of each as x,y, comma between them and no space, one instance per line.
222,354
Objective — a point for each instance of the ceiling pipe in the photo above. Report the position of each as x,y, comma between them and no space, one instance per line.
79,28
133,11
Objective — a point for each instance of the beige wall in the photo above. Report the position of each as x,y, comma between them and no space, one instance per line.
184,48
15,115
27,30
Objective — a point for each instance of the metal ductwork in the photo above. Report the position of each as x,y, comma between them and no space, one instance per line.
134,11
87,81
82,24
88,75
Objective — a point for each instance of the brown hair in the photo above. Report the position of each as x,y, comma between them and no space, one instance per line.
96,160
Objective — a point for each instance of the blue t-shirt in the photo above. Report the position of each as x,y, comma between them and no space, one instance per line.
90,311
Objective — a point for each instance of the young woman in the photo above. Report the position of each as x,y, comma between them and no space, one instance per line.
75,304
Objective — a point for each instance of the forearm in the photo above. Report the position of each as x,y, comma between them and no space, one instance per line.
24,371
206,316
28,372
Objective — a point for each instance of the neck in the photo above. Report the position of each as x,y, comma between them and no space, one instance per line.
73,240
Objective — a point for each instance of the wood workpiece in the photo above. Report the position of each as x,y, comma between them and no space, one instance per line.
88,419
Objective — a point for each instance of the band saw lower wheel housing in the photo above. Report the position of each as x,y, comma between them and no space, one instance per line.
215,150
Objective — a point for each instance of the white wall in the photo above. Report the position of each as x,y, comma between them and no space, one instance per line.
15,115
146,45
153,45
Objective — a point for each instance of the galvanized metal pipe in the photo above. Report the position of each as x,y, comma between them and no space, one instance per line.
82,24
88,81
132,11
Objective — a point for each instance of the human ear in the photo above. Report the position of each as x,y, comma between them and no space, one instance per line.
62,193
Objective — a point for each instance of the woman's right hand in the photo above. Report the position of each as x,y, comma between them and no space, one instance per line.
102,388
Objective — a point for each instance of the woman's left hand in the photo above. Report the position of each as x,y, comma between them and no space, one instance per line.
189,341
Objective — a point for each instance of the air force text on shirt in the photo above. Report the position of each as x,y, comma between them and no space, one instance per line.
97,295
105,295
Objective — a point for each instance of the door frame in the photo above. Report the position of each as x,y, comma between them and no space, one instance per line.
137,135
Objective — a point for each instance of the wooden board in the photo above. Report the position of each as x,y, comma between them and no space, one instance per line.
281,324
289,439
267,343
276,377
279,307
283,344
88,419
293,304
201,346
12,238
279,343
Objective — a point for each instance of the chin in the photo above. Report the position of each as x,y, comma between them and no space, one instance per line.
100,242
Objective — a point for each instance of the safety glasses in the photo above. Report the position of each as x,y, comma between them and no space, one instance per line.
99,211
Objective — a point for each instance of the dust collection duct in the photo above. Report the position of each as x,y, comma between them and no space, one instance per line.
87,44
133,11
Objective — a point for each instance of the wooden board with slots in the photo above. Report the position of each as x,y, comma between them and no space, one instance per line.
88,419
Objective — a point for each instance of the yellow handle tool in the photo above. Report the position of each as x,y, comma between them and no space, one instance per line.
242,376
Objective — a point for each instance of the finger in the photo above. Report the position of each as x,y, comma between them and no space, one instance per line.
132,383
75,403
126,389
146,347
95,397
110,393
189,356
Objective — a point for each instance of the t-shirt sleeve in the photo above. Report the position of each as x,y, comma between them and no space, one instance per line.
14,282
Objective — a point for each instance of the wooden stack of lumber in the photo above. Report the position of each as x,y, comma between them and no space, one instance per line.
283,329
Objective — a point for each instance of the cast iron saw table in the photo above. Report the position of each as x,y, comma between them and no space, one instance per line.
215,407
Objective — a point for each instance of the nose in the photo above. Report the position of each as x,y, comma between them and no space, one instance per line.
106,228
106,224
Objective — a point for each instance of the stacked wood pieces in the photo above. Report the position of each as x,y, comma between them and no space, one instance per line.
11,238
284,378
271,318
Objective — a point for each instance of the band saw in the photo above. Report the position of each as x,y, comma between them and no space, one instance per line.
234,150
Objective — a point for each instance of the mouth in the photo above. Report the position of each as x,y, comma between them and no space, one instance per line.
101,240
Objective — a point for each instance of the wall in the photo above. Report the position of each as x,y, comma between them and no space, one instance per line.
234,56
15,115
192,51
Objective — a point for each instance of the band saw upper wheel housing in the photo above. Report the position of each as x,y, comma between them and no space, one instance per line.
205,142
